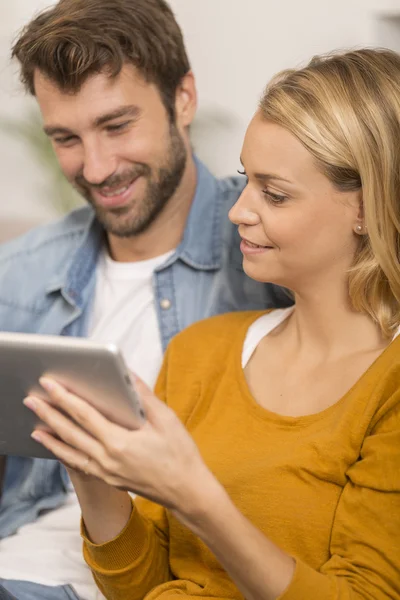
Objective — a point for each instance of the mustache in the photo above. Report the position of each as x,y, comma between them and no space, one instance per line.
117,179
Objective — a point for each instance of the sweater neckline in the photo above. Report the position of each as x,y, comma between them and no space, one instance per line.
302,420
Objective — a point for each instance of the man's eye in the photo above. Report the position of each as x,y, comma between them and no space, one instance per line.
65,140
118,127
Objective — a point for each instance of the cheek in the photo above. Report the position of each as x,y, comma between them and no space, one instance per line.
323,239
70,162
302,233
282,227
140,147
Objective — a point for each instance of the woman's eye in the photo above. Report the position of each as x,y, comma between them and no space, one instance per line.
274,198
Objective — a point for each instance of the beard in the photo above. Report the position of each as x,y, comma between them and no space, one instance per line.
162,183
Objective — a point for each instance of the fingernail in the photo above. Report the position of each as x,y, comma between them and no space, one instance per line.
47,384
36,436
30,403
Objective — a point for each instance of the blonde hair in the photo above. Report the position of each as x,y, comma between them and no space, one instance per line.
345,109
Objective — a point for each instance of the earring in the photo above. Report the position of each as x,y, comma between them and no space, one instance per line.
359,228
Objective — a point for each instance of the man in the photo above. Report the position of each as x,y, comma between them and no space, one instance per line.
151,253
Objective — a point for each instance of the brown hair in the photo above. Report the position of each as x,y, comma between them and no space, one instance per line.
345,109
78,38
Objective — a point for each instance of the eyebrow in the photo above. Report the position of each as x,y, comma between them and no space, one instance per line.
131,111
125,111
268,176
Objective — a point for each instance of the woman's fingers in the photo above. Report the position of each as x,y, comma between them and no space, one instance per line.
71,457
76,448
63,427
79,426
90,419
153,460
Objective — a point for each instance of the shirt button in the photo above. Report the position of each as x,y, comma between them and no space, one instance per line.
165,304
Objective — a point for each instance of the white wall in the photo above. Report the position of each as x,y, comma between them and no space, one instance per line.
234,46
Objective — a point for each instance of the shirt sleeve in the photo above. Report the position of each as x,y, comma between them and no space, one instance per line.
137,560
364,559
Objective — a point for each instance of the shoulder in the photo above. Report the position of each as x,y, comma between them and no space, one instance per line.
197,357
32,263
212,337
382,381
230,189
58,235
232,184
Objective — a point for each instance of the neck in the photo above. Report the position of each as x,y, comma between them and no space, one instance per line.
324,323
166,232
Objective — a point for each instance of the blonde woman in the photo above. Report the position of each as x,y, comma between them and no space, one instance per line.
271,466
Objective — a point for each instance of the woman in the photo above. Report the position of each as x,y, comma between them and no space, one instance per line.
284,479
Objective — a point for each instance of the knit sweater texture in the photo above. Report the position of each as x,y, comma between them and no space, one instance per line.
324,487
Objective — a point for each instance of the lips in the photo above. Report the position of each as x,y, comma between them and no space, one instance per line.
250,249
253,244
110,192
114,197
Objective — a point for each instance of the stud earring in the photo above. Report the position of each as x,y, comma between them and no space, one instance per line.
359,228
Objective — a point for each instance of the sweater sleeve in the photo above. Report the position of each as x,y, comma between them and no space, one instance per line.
137,560
364,559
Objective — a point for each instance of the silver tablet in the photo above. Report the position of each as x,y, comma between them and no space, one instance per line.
94,371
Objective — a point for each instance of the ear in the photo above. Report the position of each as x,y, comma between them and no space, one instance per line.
359,225
186,100
360,201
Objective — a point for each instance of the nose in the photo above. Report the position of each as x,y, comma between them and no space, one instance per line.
243,211
98,163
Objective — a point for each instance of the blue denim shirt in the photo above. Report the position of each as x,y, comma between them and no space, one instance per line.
47,283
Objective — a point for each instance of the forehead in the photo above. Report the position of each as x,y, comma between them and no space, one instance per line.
269,147
99,94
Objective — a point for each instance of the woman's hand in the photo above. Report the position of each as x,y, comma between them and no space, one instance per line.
159,461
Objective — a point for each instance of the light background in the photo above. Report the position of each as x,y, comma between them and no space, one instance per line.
235,46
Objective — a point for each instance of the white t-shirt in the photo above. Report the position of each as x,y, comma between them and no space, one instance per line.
49,551
260,328
124,312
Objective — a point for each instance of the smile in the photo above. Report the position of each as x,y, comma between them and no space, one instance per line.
254,245
110,198
248,248
108,192
115,192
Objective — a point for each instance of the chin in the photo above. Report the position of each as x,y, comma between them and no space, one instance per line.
256,272
122,225
265,275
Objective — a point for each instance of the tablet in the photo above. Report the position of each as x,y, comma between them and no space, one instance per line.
94,371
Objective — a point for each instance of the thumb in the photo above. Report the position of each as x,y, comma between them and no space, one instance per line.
154,409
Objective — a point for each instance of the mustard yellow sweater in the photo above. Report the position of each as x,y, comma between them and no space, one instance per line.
325,487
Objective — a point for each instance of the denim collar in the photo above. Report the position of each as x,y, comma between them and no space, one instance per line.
200,247
73,280
201,244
